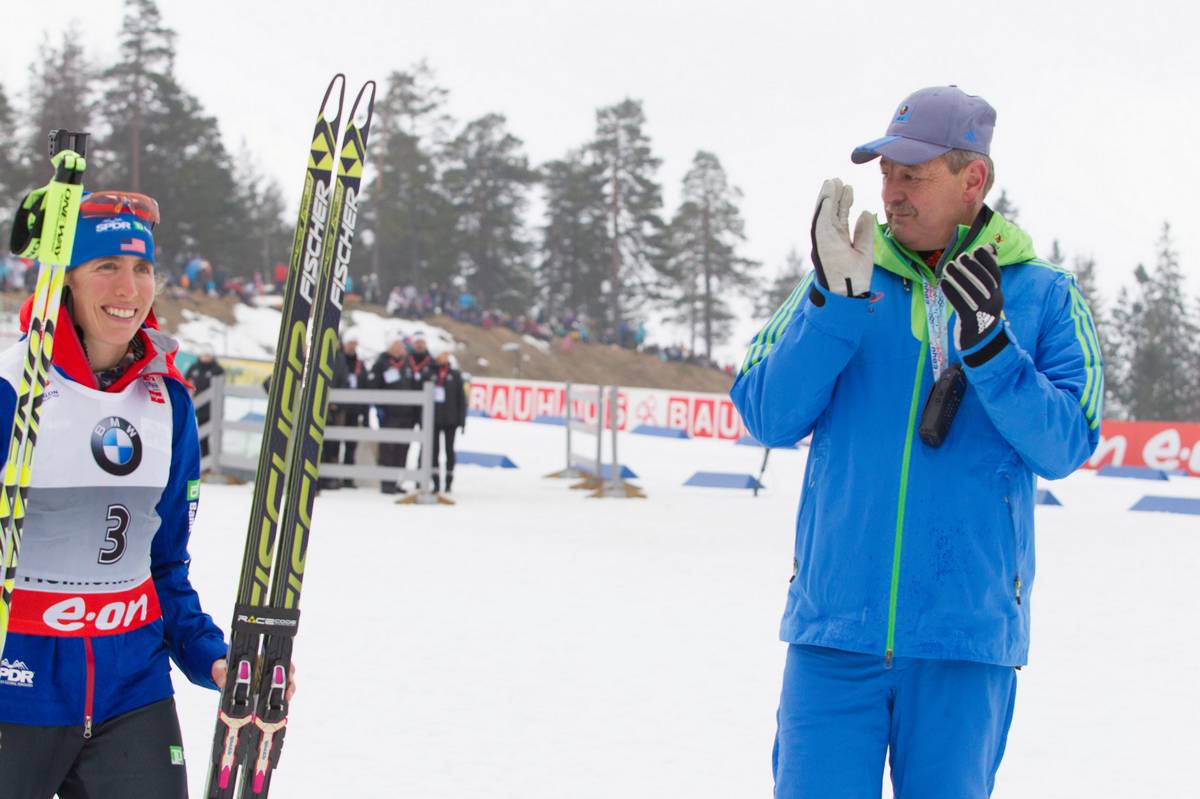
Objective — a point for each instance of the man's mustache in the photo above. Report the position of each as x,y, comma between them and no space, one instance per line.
903,209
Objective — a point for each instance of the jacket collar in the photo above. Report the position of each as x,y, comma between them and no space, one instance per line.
1013,245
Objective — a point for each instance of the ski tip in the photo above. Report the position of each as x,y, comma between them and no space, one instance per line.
260,778
223,778
338,82
360,113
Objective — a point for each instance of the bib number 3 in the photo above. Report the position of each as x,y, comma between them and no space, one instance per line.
114,535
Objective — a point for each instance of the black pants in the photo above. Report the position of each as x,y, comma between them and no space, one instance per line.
439,433
203,413
330,448
394,455
342,451
138,755
355,418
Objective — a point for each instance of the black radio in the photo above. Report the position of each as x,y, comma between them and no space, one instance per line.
942,404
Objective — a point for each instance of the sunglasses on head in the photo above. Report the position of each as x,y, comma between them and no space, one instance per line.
112,203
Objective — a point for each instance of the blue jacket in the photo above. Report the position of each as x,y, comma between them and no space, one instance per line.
82,680
903,549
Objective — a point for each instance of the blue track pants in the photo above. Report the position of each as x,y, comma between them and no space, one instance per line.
942,724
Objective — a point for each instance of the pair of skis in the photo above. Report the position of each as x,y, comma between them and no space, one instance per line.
50,241
252,719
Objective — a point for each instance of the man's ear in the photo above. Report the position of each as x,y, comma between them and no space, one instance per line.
974,178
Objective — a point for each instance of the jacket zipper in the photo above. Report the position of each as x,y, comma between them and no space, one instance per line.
90,691
1016,556
913,409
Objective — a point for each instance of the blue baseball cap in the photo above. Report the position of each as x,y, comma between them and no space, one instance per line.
108,236
931,122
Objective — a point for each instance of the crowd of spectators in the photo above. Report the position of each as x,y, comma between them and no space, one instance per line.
409,302
197,276
17,274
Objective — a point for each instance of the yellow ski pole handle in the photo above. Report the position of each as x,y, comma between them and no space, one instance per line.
61,206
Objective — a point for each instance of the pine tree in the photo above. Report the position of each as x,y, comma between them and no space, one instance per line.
1085,279
1192,413
270,235
59,95
634,201
411,221
1056,256
487,179
1158,334
1005,207
575,244
705,233
142,89
1126,320
8,188
163,144
790,275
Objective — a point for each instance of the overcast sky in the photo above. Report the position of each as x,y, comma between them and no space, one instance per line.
1097,107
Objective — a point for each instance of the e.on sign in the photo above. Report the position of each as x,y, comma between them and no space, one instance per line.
1159,445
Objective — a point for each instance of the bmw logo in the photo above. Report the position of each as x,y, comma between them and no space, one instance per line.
116,446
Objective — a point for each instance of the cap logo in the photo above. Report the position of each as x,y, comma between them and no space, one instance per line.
970,136
902,113
113,224
134,245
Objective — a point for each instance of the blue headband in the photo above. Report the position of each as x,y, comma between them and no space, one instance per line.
108,236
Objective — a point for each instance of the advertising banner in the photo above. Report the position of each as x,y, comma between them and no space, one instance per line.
1173,446
701,415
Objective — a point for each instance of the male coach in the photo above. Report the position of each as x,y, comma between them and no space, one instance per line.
939,366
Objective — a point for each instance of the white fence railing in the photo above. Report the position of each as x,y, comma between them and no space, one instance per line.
222,431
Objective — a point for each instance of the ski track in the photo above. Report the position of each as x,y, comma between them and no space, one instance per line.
532,642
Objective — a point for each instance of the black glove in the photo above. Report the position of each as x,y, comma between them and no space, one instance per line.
971,283
26,233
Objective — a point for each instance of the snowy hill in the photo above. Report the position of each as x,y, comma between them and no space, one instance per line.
532,643
244,331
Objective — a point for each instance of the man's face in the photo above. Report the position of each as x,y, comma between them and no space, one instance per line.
419,347
350,348
924,203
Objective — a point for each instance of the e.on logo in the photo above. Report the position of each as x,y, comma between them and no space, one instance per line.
1159,445
72,615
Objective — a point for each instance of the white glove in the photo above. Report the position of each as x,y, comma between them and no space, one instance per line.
843,265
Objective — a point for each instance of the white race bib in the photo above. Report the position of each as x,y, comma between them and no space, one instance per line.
439,393
391,375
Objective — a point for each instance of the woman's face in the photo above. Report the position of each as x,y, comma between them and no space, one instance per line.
111,298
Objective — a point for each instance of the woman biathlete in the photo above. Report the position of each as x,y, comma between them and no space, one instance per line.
102,595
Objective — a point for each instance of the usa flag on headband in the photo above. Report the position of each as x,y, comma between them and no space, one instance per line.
133,245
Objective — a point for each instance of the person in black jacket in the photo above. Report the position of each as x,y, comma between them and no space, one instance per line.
449,414
355,376
418,369
335,415
200,374
387,373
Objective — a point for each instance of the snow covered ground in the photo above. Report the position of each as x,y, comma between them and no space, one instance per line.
256,331
531,642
